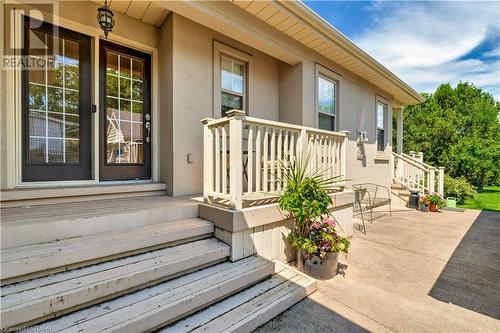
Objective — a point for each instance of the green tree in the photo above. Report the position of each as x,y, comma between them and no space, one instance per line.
457,128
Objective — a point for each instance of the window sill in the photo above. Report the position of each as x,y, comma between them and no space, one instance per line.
381,156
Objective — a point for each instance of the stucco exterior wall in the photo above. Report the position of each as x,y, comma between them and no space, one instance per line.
356,111
192,91
280,91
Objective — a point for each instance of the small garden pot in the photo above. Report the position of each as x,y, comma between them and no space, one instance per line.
319,268
433,207
423,208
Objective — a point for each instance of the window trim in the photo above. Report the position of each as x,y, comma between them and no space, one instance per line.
381,100
221,50
330,75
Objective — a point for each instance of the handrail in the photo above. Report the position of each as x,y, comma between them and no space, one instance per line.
417,164
417,175
246,157
271,123
417,161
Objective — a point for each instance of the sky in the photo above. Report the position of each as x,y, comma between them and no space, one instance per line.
425,43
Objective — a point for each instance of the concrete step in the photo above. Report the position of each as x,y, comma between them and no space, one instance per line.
397,186
38,224
160,305
30,261
46,297
252,307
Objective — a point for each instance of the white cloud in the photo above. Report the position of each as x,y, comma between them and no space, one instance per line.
423,42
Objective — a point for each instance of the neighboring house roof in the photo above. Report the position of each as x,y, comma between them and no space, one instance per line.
302,24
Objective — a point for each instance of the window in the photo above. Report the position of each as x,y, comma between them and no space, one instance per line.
326,103
381,125
232,84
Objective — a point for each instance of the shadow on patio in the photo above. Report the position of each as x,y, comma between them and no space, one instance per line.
471,278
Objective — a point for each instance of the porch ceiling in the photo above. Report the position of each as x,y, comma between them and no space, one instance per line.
146,11
302,24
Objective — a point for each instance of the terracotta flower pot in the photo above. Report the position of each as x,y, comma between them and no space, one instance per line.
433,207
319,268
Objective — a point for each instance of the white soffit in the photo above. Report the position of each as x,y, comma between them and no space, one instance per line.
144,10
300,23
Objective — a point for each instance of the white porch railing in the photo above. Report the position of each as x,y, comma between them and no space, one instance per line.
412,172
244,157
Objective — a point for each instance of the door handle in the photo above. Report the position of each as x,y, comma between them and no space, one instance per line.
148,127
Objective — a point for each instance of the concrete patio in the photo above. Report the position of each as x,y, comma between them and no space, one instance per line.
412,272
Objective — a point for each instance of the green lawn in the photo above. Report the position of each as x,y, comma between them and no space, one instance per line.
488,200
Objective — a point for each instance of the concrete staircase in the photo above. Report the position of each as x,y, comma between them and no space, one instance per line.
399,193
107,266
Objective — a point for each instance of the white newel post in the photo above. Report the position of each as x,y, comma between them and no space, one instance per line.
207,159
441,181
399,133
432,180
235,157
343,155
420,157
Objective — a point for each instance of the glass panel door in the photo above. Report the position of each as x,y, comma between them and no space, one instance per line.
126,136
56,91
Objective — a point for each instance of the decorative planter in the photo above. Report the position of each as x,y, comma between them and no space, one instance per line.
317,267
423,208
433,207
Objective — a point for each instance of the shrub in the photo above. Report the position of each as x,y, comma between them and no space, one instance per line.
459,188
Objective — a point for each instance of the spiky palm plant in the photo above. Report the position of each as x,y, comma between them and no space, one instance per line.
305,198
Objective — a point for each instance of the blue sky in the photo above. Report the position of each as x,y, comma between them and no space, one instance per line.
425,42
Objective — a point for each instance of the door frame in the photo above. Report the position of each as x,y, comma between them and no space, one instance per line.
14,36
126,174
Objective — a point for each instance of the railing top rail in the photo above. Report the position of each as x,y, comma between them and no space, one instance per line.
417,164
417,161
270,123
215,122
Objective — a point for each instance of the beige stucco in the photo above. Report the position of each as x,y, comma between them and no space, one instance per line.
281,87
192,92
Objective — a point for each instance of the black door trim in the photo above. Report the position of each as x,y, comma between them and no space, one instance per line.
59,171
123,171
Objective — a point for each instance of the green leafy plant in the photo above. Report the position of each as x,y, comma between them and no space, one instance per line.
458,188
436,199
306,200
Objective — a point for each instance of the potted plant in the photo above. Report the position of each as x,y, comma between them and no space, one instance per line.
313,233
436,202
423,204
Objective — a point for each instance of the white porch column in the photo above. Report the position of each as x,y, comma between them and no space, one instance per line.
399,133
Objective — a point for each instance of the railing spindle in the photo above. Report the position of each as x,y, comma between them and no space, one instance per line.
250,160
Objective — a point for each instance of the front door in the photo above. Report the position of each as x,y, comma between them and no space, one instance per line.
56,109
125,131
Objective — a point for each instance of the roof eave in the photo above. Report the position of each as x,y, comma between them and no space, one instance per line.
329,31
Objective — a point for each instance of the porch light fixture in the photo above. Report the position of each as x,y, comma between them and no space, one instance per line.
105,17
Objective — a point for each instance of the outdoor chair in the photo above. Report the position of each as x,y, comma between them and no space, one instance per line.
368,196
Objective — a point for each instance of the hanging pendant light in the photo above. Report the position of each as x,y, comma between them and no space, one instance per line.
105,17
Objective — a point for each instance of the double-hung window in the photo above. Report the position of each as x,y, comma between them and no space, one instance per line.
233,87
381,125
326,103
